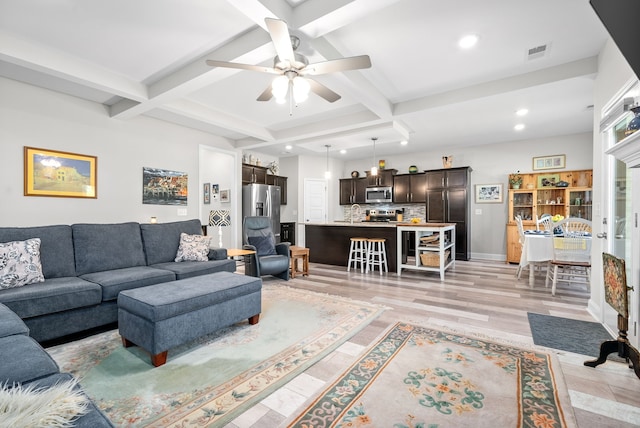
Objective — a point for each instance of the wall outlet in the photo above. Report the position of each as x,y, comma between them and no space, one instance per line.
478,211
182,211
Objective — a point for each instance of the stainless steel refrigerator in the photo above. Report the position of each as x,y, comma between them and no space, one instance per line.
262,200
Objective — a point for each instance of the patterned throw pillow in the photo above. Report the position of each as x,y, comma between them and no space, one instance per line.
20,263
193,248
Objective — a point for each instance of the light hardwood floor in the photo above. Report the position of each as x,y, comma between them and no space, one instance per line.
476,295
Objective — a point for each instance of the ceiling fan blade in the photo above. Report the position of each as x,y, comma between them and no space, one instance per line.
334,65
266,95
226,64
281,39
323,91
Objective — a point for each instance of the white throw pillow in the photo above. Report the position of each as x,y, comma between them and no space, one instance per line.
193,248
55,406
20,263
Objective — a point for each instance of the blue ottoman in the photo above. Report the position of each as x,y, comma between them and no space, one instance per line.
162,316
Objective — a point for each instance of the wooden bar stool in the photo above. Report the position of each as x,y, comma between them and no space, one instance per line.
377,254
358,254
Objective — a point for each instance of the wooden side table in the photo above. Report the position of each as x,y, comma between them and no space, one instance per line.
296,254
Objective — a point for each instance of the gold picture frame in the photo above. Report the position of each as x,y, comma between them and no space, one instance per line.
59,174
549,162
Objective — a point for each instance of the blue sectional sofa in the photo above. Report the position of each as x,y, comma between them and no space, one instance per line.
85,266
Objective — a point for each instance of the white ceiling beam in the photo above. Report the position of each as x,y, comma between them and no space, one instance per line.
583,67
50,62
258,10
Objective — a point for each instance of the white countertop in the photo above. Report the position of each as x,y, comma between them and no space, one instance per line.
357,223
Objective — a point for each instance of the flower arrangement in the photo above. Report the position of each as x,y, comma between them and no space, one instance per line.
273,167
515,180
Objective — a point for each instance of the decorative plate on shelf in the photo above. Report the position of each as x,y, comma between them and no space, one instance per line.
355,174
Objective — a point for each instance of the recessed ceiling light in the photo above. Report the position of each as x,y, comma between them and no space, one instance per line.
343,151
404,142
519,127
468,41
522,112
288,147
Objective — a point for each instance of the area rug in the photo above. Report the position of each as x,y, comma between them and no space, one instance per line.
580,337
211,381
416,376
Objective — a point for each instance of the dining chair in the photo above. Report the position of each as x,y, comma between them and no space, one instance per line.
574,226
571,261
522,238
546,222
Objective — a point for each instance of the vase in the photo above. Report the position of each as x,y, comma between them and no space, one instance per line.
381,164
515,186
634,124
413,169
447,161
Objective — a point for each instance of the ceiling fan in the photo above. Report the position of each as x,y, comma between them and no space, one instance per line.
294,69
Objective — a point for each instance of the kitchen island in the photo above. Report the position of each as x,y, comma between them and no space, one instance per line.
329,243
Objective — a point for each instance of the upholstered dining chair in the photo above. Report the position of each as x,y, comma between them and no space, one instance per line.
271,258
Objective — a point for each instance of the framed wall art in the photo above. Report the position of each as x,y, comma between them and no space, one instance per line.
164,187
63,174
489,194
548,180
225,195
206,193
549,162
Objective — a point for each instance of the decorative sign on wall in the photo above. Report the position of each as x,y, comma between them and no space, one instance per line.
206,193
164,187
63,174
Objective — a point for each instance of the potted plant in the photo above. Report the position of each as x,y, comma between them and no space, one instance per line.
515,180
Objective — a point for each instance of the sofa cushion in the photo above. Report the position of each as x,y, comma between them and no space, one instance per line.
23,359
161,240
102,247
53,295
117,280
194,248
93,418
20,263
10,323
56,247
184,270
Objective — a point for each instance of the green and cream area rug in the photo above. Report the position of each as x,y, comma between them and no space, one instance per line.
419,377
211,381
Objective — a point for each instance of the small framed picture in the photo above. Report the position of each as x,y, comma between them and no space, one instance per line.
206,193
224,195
549,162
489,193
548,180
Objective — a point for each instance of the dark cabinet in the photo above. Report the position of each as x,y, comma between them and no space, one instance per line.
253,174
409,188
383,178
448,201
288,232
352,191
277,180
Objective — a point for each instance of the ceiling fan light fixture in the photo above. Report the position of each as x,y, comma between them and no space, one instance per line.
279,88
301,88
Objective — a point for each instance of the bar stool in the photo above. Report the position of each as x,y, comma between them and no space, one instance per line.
376,254
358,254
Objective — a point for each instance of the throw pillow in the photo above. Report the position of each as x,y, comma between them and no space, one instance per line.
264,245
55,406
20,263
193,248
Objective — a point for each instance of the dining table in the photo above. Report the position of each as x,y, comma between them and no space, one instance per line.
538,249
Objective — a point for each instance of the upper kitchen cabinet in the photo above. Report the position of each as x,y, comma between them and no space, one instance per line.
352,190
253,174
410,188
277,180
383,178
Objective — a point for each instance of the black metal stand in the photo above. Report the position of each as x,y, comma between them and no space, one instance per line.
621,346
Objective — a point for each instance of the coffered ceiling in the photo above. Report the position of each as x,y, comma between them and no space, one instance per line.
147,57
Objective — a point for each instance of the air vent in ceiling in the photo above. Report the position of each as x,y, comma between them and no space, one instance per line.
538,51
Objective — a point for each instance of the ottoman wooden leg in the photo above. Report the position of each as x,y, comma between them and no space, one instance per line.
159,359
127,343
254,319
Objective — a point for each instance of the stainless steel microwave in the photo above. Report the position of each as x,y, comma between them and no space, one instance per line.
378,194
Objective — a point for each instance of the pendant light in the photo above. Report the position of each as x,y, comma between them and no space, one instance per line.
327,173
374,168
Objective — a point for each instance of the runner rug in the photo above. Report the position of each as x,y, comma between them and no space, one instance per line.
424,377
211,381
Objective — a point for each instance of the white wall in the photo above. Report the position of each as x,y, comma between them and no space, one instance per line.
31,116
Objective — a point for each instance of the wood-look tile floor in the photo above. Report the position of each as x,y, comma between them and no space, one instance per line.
481,296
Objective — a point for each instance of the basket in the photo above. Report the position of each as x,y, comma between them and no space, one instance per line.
430,258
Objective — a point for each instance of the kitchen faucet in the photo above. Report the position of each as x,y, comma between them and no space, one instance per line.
353,207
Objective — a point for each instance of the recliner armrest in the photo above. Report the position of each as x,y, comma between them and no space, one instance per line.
283,248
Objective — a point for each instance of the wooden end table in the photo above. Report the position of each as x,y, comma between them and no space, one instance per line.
299,253
238,252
